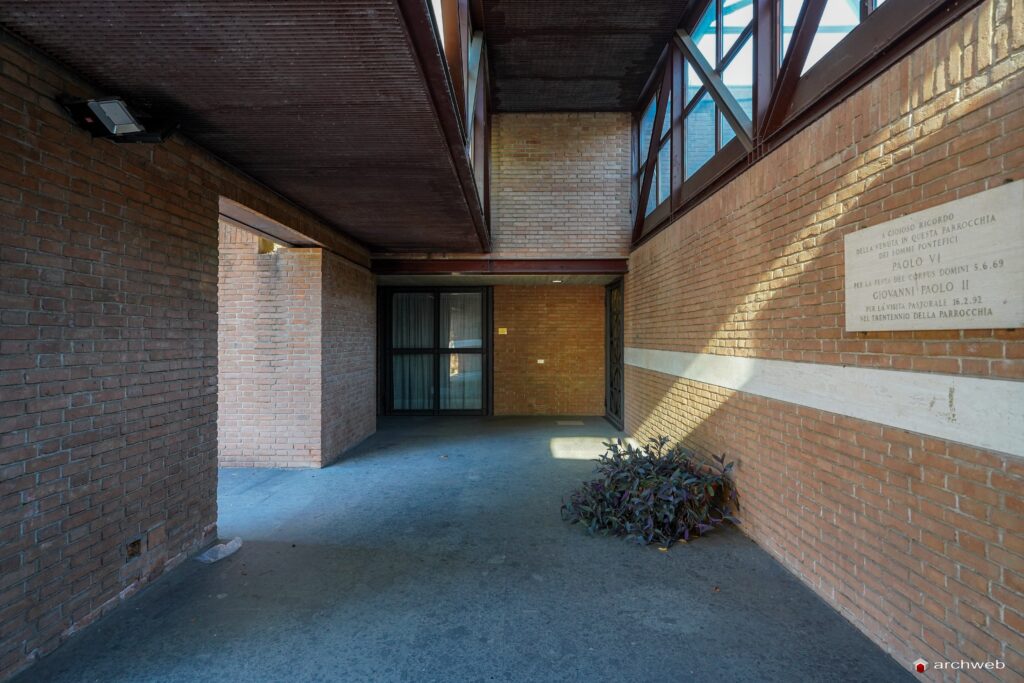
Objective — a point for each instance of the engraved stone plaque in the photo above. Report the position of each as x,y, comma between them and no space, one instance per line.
955,266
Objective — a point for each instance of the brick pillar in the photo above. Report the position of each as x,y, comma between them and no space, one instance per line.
271,354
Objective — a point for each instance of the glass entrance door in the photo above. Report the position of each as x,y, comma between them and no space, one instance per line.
436,351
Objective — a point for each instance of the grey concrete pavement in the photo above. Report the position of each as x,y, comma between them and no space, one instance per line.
435,552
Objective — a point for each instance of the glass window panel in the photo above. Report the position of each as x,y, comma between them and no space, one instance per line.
664,172
705,33
699,131
693,82
462,320
412,320
840,17
439,21
736,14
412,381
646,128
461,381
666,125
739,77
727,132
652,195
790,12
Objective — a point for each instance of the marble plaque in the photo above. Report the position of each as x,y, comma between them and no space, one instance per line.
955,266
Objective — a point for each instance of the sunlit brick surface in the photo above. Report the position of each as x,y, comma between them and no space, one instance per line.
920,542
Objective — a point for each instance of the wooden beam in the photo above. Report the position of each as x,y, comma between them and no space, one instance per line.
721,94
792,65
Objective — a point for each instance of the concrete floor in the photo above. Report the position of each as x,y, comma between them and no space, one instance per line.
435,552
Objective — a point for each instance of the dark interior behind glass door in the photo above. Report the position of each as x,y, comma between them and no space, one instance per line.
436,348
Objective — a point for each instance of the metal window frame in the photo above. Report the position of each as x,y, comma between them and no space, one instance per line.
784,100
386,354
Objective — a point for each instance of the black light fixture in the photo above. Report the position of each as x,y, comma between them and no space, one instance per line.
111,118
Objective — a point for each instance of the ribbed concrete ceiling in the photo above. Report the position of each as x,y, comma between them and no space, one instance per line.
322,100
575,55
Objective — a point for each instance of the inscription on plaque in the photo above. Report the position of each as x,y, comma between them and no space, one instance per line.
955,266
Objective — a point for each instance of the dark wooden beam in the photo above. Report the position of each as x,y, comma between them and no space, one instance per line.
792,65
500,266
721,94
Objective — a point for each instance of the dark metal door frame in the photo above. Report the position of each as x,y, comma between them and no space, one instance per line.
614,350
385,353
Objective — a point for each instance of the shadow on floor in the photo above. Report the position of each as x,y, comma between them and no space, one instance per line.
435,552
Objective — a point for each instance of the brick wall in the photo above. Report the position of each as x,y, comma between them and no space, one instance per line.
349,332
296,351
108,357
564,326
918,541
269,354
560,185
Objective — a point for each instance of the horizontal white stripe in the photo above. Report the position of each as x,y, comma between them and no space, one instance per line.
987,413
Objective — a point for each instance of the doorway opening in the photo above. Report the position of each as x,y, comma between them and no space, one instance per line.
435,351
614,354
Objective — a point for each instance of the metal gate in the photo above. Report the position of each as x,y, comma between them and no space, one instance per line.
614,370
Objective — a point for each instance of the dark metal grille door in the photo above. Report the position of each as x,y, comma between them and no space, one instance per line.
614,326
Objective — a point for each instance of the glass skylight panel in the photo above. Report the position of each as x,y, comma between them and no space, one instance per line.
647,127
706,33
790,12
652,196
727,132
736,15
439,21
664,172
666,125
738,76
840,17
700,135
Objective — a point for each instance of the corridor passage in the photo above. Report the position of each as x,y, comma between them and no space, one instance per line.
435,552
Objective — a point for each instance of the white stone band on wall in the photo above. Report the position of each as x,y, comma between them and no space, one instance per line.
986,413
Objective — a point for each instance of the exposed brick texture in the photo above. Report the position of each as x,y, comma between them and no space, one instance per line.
348,377
269,354
564,326
918,541
108,341
560,185
296,354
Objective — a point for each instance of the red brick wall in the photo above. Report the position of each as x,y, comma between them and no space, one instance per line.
349,333
560,185
918,541
564,326
108,357
297,360
269,354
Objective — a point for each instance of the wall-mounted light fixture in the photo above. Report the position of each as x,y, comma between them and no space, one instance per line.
111,118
